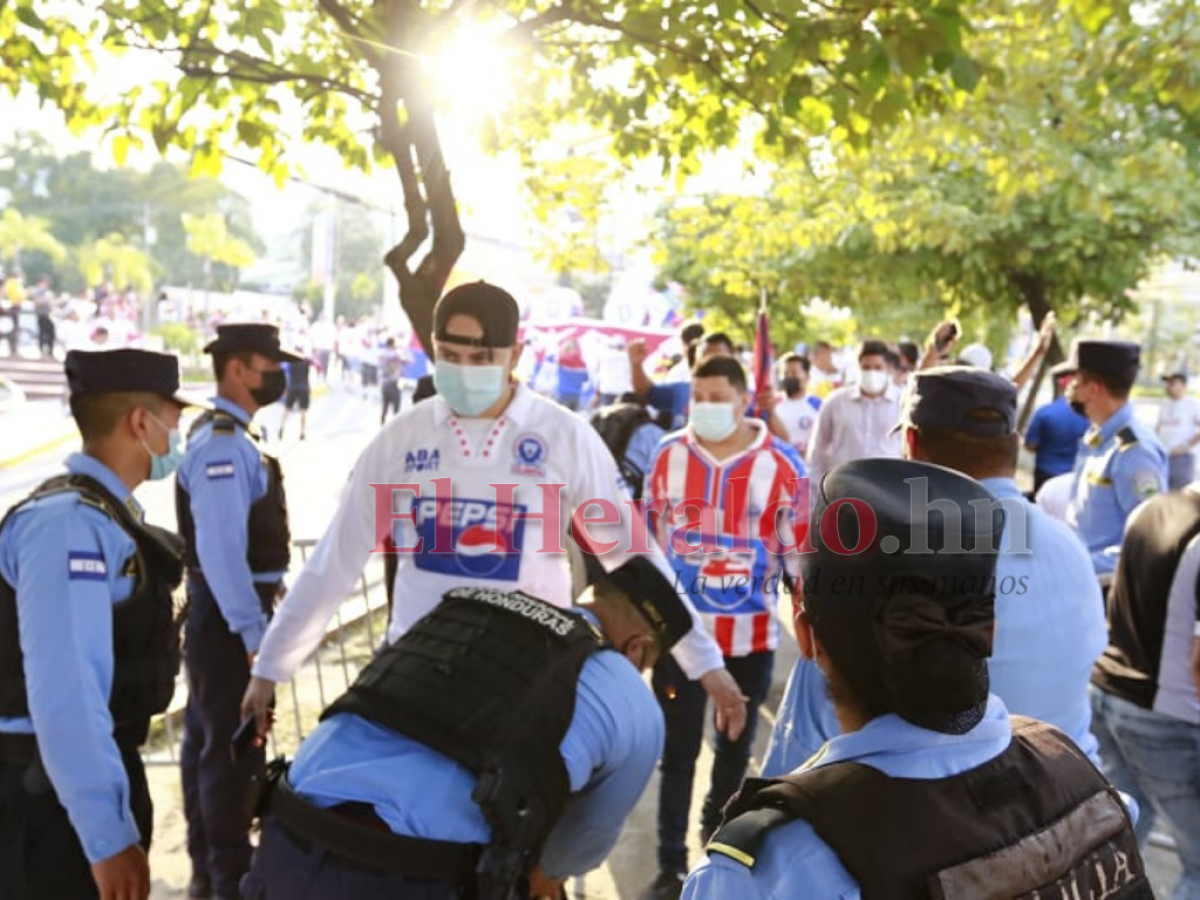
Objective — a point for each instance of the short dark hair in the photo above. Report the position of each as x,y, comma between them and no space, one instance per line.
693,331
221,360
909,352
823,345
873,348
1117,386
719,337
97,415
722,367
975,457
892,359
797,358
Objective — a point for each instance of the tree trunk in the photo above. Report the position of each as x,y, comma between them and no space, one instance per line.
412,140
1033,290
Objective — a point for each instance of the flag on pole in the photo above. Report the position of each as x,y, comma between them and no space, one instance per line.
762,351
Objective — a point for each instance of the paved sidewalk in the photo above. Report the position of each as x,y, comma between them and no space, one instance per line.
34,429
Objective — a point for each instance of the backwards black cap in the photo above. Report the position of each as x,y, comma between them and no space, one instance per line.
650,592
901,585
492,307
124,371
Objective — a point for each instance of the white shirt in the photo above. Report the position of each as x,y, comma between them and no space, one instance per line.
800,418
853,426
613,375
534,446
323,334
1178,422
679,372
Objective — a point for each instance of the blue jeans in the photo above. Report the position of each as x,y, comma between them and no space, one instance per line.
1156,760
683,704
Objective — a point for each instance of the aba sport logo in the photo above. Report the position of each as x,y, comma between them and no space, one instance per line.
476,538
422,461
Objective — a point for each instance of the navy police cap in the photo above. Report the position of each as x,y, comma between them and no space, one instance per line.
963,399
125,371
651,593
251,337
1113,359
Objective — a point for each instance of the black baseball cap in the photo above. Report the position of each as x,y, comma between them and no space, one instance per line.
963,399
492,307
251,337
125,371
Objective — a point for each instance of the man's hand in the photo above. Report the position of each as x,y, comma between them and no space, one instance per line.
728,699
765,398
1046,332
636,350
124,876
260,695
543,887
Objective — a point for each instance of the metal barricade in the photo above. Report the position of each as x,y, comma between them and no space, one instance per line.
353,636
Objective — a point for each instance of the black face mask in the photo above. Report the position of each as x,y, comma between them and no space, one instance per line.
791,386
273,385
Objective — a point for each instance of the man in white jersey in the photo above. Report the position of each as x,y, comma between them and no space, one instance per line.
479,487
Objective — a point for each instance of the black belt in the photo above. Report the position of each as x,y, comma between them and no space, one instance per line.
371,846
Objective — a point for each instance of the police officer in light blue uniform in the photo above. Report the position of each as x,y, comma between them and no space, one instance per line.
233,517
932,790
89,640
1121,462
400,793
1048,605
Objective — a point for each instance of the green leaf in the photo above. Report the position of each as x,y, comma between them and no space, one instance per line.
965,74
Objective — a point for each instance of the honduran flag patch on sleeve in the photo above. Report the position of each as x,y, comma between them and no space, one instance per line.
85,565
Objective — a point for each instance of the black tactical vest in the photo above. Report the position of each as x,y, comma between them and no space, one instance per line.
489,680
146,654
269,546
1038,822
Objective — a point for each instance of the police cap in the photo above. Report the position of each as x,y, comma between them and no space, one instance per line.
650,592
492,307
125,371
900,587
1112,359
251,337
963,399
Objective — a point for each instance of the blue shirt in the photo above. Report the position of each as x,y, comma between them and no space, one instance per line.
673,398
1054,434
643,447
1112,477
794,863
1050,629
610,751
223,475
65,559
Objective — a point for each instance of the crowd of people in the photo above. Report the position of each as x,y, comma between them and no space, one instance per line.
1025,674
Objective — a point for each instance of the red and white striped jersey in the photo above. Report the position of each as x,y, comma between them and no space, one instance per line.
717,520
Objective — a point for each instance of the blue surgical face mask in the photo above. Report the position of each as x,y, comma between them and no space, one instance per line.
713,421
162,466
469,390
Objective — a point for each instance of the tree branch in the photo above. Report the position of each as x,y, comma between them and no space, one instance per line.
351,29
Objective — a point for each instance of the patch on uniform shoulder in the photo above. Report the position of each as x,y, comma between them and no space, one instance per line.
1126,438
86,565
1146,483
221,468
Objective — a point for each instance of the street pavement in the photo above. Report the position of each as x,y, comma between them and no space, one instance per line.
340,424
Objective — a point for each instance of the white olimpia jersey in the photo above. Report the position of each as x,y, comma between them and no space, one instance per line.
469,504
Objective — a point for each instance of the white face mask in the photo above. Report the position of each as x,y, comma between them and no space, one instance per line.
713,421
873,381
